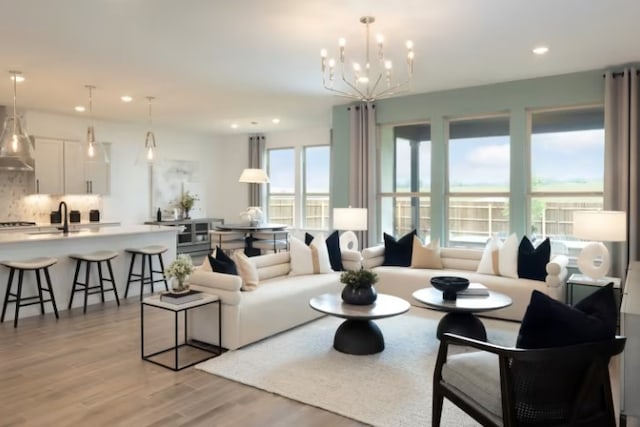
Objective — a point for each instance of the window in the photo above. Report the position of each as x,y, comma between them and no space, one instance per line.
406,181
286,202
281,193
567,173
316,187
478,180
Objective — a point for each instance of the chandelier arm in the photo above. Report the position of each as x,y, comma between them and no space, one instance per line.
393,89
341,92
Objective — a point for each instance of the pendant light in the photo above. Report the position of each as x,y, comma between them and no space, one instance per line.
90,148
150,140
16,148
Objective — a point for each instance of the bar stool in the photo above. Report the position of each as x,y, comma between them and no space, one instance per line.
98,258
147,252
34,265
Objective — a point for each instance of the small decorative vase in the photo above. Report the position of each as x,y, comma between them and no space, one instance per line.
362,295
179,286
186,214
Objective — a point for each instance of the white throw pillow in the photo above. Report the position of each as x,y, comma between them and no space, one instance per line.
426,256
247,270
312,259
500,259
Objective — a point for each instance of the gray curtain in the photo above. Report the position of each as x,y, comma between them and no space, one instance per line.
622,160
362,140
256,161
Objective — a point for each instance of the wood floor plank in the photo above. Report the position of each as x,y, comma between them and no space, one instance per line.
85,369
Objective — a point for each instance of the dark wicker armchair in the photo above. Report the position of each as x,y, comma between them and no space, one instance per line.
502,386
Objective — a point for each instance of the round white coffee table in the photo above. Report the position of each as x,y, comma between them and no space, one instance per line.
358,334
460,318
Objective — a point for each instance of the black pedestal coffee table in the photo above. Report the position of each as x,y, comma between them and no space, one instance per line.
358,334
460,318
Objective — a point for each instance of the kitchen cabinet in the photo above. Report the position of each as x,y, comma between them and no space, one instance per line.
194,237
49,166
81,176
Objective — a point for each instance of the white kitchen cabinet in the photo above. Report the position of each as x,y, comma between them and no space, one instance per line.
49,167
84,177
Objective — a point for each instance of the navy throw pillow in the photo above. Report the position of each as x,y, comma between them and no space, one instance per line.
222,263
532,261
398,252
333,247
551,323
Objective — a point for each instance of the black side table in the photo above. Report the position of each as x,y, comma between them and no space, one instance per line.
154,301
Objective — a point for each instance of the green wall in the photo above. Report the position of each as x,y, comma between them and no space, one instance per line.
514,98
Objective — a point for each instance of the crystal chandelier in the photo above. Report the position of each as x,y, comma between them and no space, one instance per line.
16,148
150,140
366,81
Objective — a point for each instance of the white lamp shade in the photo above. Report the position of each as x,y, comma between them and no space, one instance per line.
600,226
349,218
255,176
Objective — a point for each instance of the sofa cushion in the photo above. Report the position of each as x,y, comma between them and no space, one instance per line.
247,270
550,323
398,252
426,256
500,258
221,263
312,259
532,261
333,247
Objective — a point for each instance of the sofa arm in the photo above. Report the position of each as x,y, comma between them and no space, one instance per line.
373,256
351,260
556,276
226,286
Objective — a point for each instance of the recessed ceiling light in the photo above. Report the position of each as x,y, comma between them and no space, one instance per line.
275,121
126,98
540,50
19,79
79,108
234,126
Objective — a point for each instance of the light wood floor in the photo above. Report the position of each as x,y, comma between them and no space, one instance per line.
86,370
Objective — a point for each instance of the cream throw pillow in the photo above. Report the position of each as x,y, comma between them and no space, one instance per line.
247,271
426,256
312,259
500,259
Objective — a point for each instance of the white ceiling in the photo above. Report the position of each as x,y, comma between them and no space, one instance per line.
210,63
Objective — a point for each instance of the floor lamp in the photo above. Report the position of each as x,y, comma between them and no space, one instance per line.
596,227
349,220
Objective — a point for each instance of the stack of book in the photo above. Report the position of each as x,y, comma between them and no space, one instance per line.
474,290
180,298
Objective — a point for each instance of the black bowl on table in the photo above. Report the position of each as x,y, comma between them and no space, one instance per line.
450,286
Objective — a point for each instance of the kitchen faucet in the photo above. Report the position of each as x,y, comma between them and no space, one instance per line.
65,226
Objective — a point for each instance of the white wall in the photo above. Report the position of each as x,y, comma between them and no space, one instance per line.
129,199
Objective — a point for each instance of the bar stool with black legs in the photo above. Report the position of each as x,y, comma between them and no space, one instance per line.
36,265
98,258
146,276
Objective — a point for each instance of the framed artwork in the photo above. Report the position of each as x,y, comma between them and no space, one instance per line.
168,181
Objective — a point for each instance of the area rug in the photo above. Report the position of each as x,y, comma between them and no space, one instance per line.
391,388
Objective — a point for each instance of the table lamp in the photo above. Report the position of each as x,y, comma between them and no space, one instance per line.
597,227
253,214
348,220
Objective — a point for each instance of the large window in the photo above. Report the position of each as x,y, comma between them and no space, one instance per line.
315,194
406,181
298,194
281,195
567,173
478,180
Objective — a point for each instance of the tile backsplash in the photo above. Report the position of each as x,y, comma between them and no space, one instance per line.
18,204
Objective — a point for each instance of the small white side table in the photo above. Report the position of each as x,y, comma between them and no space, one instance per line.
577,280
154,301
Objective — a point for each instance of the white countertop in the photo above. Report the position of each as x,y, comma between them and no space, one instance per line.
81,233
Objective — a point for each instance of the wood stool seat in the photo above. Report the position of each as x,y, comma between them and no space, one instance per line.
35,265
146,275
98,258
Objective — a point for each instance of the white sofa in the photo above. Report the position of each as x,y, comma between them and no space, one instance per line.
403,281
279,302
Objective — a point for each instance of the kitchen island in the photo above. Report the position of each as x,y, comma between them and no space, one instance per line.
27,244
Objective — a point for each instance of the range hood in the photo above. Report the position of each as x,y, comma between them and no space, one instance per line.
13,163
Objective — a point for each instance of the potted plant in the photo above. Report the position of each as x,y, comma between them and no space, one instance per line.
186,202
179,270
358,289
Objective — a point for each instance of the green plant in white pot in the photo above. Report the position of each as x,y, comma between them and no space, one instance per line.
359,289
180,269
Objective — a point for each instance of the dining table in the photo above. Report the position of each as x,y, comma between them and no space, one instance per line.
248,230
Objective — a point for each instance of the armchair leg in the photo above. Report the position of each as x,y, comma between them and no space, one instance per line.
436,408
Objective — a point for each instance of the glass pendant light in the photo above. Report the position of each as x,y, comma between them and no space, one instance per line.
150,140
16,148
93,150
